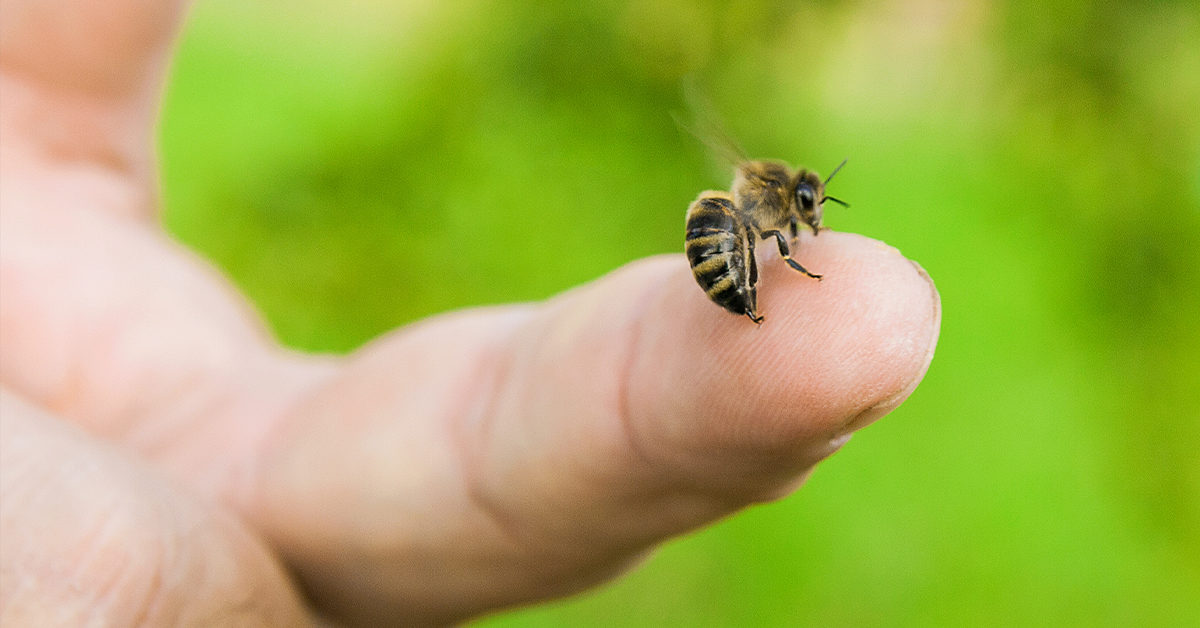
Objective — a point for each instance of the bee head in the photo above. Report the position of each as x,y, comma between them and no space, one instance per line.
810,196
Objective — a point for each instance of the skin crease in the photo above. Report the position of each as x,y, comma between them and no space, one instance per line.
467,463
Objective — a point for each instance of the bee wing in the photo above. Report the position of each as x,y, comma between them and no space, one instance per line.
704,124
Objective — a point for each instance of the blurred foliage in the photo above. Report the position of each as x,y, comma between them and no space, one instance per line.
357,167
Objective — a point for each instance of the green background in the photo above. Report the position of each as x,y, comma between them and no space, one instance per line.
357,166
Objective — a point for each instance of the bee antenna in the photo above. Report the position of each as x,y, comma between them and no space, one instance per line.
836,200
835,171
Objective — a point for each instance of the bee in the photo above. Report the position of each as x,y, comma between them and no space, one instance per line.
765,199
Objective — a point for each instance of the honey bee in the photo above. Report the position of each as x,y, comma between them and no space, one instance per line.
766,198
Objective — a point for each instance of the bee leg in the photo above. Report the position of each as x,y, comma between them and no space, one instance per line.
795,227
752,281
753,263
783,251
752,309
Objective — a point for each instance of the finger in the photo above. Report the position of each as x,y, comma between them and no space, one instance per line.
489,458
643,400
108,48
89,538
764,402
81,82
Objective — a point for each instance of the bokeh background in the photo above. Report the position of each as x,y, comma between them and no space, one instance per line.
357,166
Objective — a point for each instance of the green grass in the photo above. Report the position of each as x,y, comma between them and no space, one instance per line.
357,171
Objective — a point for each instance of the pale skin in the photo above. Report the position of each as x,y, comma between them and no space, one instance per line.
163,461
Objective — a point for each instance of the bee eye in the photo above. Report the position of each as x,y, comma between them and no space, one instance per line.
805,195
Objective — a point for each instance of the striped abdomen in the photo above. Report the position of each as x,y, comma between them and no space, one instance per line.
721,255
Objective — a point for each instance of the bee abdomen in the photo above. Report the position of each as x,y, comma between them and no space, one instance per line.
717,251
710,214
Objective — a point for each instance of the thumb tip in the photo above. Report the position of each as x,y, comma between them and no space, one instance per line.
831,357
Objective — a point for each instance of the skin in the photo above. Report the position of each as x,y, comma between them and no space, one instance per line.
163,461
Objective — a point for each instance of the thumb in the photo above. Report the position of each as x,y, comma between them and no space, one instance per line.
755,406
637,388
487,458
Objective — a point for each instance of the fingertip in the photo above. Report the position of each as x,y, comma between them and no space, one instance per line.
650,370
831,356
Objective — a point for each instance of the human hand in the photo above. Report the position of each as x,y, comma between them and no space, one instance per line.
164,459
